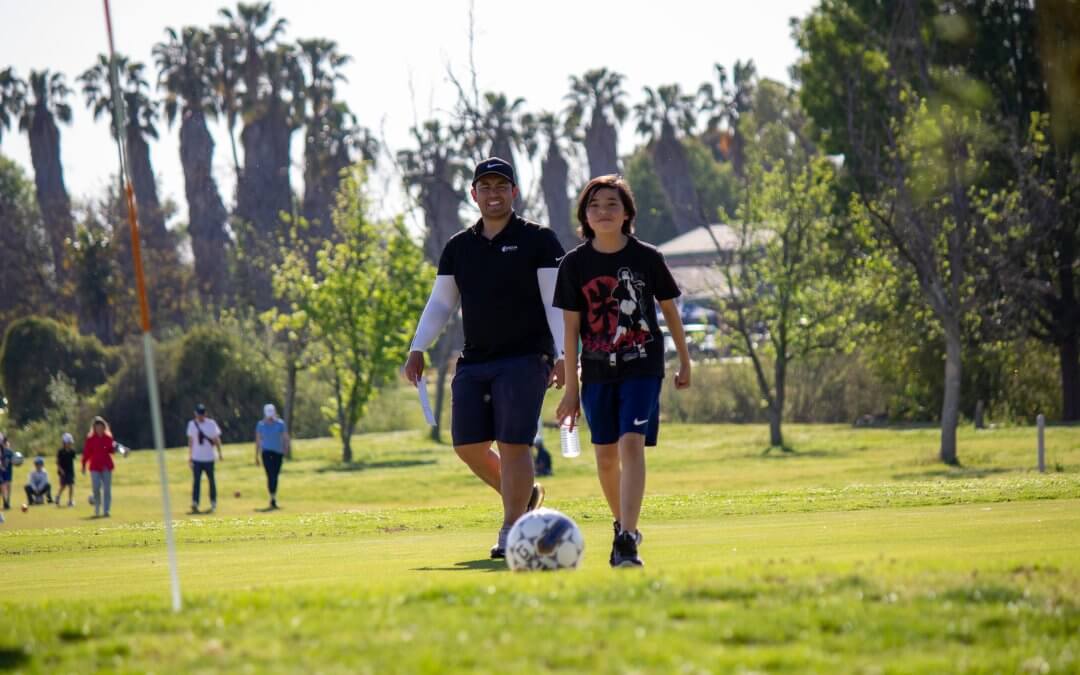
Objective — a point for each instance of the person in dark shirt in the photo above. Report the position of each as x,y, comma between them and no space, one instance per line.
608,288
502,270
65,469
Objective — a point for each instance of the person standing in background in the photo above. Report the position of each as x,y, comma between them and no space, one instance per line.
272,445
204,436
97,452
65,469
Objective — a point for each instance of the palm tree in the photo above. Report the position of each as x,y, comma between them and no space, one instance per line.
12,98
264,192
184,73
437,171
226,74
141,114
330,128
37,117
555,176
665,112
598,96
725,106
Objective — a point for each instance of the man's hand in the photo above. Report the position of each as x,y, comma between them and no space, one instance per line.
414,367
558,374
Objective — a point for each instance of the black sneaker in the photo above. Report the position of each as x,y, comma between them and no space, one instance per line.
618,528
273,504
625,553
536,499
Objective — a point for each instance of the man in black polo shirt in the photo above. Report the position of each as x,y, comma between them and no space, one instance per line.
503,271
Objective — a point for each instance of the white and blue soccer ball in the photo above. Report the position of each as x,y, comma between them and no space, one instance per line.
17,459
544,539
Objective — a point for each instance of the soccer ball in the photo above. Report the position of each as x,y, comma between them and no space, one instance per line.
544,539
90,498
17,459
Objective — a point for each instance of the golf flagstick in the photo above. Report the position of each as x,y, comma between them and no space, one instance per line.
144,309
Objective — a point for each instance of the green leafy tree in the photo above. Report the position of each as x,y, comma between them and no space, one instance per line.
360,300
783,300
25,285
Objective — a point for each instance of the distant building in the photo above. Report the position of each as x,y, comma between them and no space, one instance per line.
693,258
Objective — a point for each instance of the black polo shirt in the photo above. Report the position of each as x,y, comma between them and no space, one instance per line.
501,307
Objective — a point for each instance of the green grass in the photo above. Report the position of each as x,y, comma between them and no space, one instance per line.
858,552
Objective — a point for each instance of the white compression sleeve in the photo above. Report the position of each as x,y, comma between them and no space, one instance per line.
442,302
546,277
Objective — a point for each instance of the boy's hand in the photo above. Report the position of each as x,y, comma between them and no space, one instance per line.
569,406
682,377
558,374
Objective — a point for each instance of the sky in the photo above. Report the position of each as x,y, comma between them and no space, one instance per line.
402,53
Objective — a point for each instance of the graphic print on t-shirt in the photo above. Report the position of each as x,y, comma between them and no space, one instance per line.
616,316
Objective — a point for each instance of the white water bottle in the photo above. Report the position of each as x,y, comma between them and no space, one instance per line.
568,438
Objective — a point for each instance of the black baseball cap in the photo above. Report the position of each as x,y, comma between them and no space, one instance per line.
495,165
200,409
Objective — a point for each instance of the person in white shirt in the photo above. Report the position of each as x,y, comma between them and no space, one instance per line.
37,485
204,436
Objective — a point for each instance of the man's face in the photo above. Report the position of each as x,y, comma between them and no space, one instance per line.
494,195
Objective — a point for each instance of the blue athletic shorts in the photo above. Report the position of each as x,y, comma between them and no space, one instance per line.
498,400
631,406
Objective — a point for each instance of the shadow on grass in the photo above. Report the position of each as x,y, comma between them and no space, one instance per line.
788,452
341,467
483,565
954,473
12,658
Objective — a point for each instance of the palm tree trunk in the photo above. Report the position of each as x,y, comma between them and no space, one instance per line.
601,146
673,169
263,194
52,195
206,213
553,179
151,218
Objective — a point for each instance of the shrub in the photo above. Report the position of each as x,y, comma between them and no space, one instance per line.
37,349
209,365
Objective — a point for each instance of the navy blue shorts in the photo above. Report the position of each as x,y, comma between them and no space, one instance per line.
498,400
631,406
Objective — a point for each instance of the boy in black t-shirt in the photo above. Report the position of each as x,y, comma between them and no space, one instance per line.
608,288
65,469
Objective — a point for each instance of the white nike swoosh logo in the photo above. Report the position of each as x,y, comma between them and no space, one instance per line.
638,423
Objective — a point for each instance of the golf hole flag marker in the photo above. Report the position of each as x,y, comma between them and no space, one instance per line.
144,309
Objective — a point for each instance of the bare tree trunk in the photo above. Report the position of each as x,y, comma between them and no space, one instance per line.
950,407
206,212
554,178
601,145
1068,319
52,194
449,344
291,371
344,427
776,410
1069,356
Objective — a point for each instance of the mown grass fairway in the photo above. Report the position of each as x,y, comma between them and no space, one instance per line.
856,553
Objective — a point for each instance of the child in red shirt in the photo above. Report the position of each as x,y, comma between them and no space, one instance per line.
97,452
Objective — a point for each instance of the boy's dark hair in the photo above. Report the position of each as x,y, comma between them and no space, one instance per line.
613,182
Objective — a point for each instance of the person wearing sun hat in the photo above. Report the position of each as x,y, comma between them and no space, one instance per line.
65,469
272,446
